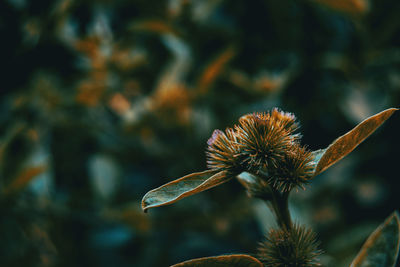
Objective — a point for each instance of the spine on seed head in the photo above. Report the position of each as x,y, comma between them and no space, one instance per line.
223,152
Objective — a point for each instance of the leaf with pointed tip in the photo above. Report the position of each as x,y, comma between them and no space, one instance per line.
239,260
324,158
382,246
183,187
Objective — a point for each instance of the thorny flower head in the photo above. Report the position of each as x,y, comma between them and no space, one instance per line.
263,143
265,138
295,170
296,247
223,152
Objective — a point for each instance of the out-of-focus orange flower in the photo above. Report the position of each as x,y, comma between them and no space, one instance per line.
214,69
119,103
172,105
90,93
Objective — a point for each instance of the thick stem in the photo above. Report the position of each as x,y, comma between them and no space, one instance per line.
281,209
278,203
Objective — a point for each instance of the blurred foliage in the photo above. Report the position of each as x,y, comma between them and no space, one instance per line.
103,100
382,246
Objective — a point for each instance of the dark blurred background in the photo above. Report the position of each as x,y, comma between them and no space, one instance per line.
101,101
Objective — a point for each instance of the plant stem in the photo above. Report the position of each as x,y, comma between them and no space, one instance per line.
278,202
281,209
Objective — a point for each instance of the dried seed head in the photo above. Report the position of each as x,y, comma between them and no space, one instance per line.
223,152
296,247
264,139
295,169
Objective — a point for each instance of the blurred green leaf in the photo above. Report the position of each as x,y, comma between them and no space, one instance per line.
23,179
382,246
228,260
183,187
324,158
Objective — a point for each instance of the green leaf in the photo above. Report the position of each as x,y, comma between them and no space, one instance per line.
183,187
324,158
219,261
382,246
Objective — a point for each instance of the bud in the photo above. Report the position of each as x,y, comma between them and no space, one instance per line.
296,247
295,170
